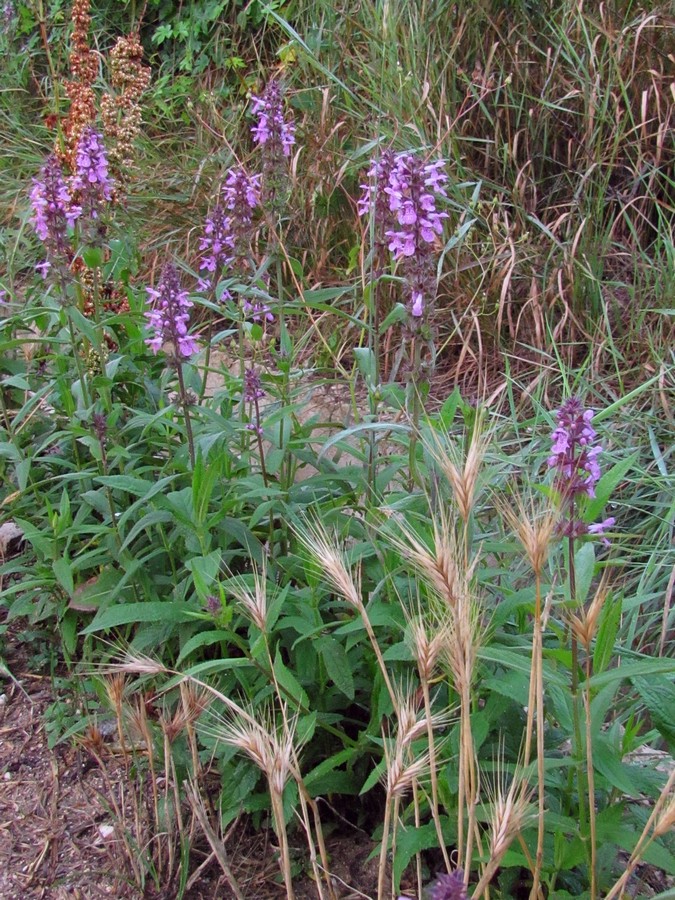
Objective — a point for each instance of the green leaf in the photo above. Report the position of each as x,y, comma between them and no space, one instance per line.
519,662
337,665
204,571
608,628
446,414
318,774
93,257
64,575
584,566
634,670
410,841
365,360
203,639
289,682
627,778
659,698
606,486
130,613
129,483
398,313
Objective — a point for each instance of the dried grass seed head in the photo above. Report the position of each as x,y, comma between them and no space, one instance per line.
440,564
254,602
534,526
331,562
462,474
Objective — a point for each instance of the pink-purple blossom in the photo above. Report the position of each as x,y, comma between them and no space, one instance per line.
403,193
228,231
217,246
91,183
449,887
275,136
241,196
53,214
253,389
169,315
272,128
575,450
257,311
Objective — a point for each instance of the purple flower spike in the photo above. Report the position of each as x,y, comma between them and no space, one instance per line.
53,214
168,318
272,129
449,887
253,389
218,243
241,196
574,453
91,180
257,311
574,457
275,136
403,192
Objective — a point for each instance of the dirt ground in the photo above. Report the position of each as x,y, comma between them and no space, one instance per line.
57,828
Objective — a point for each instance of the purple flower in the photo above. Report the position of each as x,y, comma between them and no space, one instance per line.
449,887
218,243
241,196
275,136
7,17
169,315
3,297
272,129
253,390
373,194
574,453
257,311
214,605
53,214
403,193
574,457
91,180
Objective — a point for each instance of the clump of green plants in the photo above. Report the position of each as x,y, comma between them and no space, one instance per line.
446,611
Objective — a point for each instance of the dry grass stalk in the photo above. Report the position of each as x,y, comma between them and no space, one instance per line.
534,526
585,625
461,650
402,772
254,603
441,564
217,845
426,650
462,474
660,822
510,812
114,686
273,754
332,563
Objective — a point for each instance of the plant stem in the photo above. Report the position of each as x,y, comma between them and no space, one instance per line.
537,701
576,713
186,411
383,849
591,781
78,361
415,410
433,773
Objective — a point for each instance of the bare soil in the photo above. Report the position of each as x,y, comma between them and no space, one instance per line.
57,829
